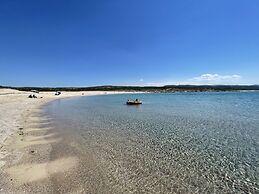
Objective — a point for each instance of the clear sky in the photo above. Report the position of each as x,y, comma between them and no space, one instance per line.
128,42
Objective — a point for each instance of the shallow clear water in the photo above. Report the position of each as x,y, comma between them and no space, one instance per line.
179,142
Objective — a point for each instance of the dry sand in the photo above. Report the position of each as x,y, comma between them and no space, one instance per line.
25,147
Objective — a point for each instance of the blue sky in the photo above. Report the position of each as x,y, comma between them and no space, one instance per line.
128,42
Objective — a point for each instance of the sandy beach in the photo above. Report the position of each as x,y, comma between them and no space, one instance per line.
25,144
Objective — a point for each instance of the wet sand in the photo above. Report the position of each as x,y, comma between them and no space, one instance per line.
34,158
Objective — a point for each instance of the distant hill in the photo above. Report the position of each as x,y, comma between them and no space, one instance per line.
167,88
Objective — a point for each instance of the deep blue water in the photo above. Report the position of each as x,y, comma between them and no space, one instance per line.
179,142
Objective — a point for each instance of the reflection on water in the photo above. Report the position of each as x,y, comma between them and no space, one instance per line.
184,143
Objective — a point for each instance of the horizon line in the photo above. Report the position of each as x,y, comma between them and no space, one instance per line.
142,86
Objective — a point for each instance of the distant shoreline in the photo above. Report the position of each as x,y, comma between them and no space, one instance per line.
155,89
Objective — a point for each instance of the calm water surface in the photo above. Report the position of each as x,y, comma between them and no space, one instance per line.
180,142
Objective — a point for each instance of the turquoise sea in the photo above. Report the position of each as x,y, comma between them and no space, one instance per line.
173,143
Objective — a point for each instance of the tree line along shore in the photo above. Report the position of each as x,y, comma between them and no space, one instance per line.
167,88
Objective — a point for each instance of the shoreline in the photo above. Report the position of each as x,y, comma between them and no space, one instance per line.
25,142
53,157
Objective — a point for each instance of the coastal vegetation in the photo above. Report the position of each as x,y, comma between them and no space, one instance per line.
167,88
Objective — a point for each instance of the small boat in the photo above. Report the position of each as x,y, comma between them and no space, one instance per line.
134,102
